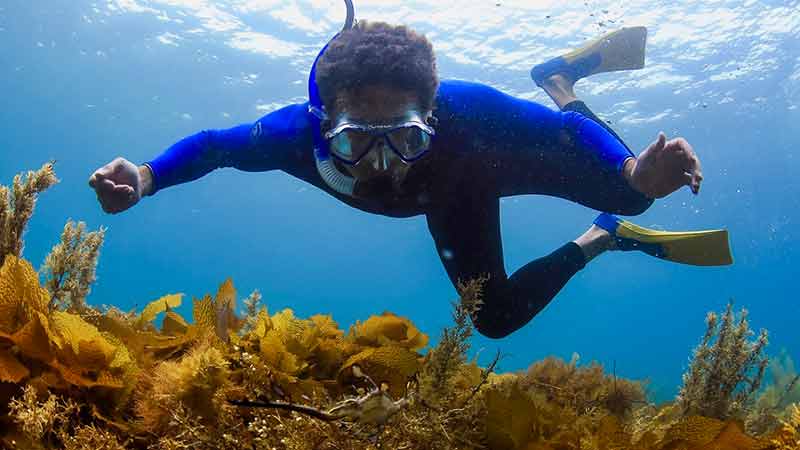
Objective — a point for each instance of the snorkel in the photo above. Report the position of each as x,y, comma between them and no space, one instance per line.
333,177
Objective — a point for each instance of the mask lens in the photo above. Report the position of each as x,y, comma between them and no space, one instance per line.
351,145
410,142
341,146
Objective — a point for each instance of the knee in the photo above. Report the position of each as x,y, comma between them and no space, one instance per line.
492,323
635,206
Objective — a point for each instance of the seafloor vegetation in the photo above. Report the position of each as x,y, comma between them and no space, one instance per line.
80,377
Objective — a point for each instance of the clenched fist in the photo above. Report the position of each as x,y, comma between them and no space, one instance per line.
120,184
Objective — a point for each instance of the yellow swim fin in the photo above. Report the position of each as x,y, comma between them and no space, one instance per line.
622,49
699,248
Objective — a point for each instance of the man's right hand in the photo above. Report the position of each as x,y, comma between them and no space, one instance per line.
664,167
120,184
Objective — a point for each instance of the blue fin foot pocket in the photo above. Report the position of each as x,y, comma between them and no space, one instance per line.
623,49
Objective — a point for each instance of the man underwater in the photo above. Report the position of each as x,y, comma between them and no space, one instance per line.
381,133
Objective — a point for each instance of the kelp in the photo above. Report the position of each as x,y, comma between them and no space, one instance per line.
788,436
74,376
56,347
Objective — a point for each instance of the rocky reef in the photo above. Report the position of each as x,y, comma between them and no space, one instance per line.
76,376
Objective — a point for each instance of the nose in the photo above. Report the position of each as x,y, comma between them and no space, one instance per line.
382,160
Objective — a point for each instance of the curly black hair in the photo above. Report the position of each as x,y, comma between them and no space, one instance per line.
378,53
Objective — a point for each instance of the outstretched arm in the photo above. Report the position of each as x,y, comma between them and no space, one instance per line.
267,144
264,145
195,156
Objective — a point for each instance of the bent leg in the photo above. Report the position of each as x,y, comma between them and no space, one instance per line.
580,107
467,237
561,90
517,300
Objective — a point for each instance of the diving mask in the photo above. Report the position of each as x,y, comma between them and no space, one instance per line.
409,138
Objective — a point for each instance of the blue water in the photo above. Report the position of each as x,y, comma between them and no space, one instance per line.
83,82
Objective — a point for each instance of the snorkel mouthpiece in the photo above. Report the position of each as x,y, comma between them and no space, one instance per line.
338,181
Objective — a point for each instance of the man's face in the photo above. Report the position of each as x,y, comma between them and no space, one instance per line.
377,104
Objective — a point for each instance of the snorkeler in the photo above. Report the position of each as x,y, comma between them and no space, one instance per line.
381,133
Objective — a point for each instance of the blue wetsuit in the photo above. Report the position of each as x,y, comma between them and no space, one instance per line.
487,145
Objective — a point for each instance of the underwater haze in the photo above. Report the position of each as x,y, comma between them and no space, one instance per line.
83,82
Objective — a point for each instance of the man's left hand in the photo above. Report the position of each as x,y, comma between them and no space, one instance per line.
663,167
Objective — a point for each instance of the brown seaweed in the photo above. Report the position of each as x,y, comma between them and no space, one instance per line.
75,376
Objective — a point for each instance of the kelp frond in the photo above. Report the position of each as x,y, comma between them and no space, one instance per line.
388,329
788,437
156,307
